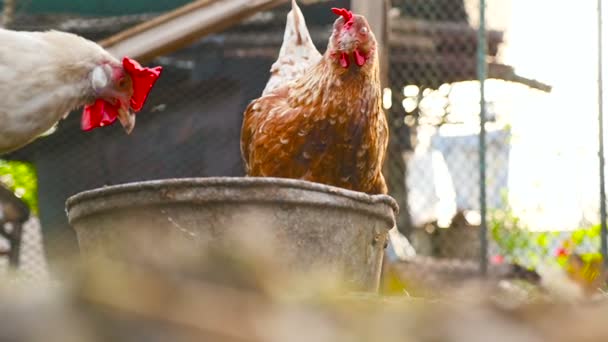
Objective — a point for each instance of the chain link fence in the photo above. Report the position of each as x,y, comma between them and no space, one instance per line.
541,182
540,155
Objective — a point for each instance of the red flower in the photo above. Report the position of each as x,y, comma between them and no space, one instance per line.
561,252
498,259
104,113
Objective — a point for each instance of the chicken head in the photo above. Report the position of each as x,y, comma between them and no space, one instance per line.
120,92
351,40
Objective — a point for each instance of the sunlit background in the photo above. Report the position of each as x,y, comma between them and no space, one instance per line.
553,179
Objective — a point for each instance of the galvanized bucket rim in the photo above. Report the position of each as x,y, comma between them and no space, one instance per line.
234,182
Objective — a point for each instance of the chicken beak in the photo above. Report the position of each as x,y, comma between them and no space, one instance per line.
127,119
348,42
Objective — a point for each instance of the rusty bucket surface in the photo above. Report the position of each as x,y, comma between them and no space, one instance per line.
307,226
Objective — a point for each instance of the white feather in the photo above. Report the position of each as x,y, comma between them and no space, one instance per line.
298,52
43,76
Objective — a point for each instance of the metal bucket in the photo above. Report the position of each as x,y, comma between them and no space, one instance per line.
304,226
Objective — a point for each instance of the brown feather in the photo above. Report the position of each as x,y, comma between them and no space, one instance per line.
328,126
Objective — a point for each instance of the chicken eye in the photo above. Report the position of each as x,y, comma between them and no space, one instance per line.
364,30
122,83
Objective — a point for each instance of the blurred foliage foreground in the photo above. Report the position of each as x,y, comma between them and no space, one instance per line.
224,296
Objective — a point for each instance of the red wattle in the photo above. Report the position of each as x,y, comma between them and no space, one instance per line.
100,113
359,59
344,60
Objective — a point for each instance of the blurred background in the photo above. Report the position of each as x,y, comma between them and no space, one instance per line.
541,133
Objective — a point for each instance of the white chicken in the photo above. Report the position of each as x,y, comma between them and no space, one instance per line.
45,75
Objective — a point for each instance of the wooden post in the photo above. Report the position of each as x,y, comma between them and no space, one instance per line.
8,13
376,13
14,212
15,242
183,26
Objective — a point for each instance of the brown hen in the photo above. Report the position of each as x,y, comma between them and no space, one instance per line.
320,118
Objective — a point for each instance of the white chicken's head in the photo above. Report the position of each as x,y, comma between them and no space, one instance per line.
112,84
351,40
120,91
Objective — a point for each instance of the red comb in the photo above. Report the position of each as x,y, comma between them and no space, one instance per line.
143,81
344,13
104,113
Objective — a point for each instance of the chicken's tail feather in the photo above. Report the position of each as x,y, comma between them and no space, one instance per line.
296,31
299,24
297,53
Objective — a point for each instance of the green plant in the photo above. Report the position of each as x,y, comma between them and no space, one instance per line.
517,244
20,177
